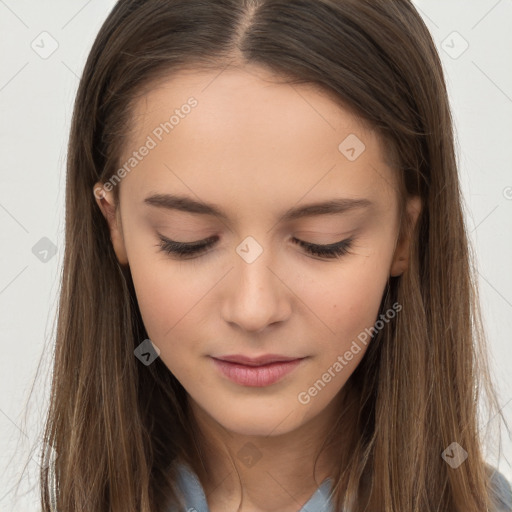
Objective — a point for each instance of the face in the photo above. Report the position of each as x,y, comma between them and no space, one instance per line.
236,172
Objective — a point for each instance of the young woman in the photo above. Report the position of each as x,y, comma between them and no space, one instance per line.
268,301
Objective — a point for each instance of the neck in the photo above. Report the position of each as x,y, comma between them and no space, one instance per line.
278,472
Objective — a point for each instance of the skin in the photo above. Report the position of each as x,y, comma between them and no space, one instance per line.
256,148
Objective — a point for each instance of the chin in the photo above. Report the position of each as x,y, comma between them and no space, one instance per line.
260,422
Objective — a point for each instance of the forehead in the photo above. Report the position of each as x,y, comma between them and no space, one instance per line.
251,98
249,132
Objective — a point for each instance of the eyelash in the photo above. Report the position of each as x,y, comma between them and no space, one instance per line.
185,250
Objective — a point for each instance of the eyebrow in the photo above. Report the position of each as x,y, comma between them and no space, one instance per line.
189,205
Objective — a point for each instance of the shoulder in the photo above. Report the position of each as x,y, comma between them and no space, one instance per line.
502,491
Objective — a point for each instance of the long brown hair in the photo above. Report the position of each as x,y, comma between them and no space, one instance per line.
116,425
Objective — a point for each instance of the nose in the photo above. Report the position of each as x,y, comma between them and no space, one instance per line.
255,296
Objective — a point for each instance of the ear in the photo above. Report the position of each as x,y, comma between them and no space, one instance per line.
106,203
400,261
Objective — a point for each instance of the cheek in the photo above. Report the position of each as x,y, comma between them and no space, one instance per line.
348,302
362,297
348,299
168,299
350,309
168,304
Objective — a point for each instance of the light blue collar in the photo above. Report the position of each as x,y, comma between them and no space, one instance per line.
320,501
195,499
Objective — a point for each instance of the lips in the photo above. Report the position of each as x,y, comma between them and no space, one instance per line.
256,372
257,361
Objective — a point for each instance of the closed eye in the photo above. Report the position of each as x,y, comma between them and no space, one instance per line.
183,250
327,251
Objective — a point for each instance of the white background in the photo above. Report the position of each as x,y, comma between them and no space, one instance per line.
36,98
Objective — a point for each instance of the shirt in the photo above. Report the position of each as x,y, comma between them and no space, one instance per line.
320,501
195,499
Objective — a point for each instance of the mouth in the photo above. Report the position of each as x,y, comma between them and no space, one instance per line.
257,361
256,372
